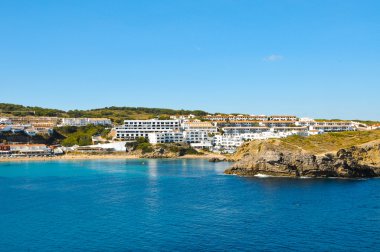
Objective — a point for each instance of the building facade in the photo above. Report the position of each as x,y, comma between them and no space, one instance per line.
165,137
133,129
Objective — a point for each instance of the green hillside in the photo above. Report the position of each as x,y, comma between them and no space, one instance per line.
116,114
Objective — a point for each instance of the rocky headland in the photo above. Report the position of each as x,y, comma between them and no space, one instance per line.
346,155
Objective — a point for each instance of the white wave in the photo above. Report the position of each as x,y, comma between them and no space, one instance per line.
260,175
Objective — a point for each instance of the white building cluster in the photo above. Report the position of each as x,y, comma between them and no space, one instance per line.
33,125
225,133
78,122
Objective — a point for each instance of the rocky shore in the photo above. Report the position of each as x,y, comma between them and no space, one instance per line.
276,158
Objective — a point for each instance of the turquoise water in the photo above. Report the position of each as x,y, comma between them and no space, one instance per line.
180,205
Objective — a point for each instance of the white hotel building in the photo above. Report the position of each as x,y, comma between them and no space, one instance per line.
133,129
166,137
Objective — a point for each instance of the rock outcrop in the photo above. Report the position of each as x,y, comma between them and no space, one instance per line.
275,158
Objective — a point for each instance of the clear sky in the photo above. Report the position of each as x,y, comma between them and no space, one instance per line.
318,58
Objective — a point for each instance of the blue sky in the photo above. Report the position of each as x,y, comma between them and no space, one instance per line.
310,58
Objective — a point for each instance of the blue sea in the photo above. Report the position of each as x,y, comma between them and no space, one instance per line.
180,205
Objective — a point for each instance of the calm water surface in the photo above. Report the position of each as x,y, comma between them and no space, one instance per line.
180,205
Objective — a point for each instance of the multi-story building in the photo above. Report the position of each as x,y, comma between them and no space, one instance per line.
243,130
282,118
236,118
222,124
199,126
100,121
332,128
299,130
328,126
78,122
227,142
182,117
272,124
133,129
49,122
165,137
324,123
196,136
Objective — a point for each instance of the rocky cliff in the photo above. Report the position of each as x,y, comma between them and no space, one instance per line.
284,158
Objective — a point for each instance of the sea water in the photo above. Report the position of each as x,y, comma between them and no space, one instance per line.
145,205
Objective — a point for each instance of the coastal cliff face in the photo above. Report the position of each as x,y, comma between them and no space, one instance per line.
278,158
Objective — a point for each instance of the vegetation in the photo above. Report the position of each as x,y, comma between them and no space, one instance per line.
19,110
116,114
332,141
180,148
141,143
79,135
21,137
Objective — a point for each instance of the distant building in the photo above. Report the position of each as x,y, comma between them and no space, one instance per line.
243,130
282,118
182,117
199,126
78,122
222,124
277,123
235,118
29,150
40,121
332,128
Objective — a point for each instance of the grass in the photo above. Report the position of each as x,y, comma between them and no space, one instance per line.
332,141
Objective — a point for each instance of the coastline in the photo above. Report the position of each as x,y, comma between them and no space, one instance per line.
100,157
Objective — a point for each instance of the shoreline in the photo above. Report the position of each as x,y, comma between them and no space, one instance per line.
100,157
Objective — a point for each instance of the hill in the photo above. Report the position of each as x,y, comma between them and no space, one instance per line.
116,114
346,154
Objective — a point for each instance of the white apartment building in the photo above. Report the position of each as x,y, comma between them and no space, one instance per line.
133,129
78,122
290,129
332,128
282,118
202,145
227,142
199,126
196,136
324,123
236,117
165,137
182,117
100,121
222,124
328,126
266,135
243,130
278,123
